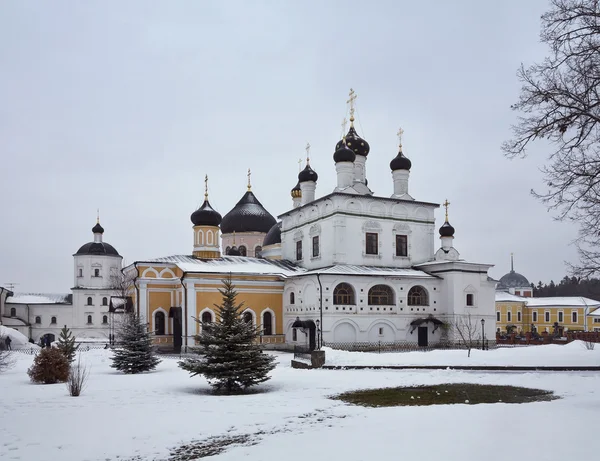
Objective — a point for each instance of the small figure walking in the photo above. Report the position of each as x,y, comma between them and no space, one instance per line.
7,341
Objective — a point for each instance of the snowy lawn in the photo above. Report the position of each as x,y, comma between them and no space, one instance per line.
572,354
146,417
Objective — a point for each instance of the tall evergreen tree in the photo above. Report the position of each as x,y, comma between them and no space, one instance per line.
134,352
66,344
230,357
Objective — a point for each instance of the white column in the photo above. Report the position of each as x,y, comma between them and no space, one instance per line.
400,178
345,175
308,191
360,167
190,332
296,201
447,242
143,294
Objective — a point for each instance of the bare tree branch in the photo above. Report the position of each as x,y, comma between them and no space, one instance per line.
560,104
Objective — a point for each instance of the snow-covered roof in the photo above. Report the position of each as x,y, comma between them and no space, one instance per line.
227,264
348,269
39,298
578,301
504,296
558,301
12,322
595,312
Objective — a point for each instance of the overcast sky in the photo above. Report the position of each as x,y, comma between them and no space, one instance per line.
125,106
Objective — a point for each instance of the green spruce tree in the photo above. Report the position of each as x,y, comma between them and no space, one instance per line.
66,344
134,352
229,356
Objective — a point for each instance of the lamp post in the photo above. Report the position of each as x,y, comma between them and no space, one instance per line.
318,334
482,334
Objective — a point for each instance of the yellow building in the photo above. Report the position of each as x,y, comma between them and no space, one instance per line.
171,293
571,313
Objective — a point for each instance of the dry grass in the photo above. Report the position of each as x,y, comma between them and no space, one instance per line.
444,394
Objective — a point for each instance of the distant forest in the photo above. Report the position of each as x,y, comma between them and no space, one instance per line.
569,286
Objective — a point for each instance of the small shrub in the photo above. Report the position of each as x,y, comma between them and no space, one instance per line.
590,345
77,379
50,366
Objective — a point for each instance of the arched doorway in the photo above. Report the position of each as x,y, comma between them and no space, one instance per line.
159,323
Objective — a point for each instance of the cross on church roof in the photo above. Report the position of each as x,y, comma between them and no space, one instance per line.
299,164
249,184
350,101
446,204
400,133
205,187
307,153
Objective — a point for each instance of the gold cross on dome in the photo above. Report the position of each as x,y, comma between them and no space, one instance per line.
98,216
351,99
400,133
249,184
205,187
344,123
299,164
307,152
446,204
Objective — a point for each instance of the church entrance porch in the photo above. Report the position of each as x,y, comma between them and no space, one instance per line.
422,337
309,328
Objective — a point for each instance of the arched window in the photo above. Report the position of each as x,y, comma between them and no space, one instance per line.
267,323
105,301
53,320
89,301
417,296
104,319
242,250
206,317
159,323
227,250
89,319
292,298
13,312
381,295
257,251
96,272
344,294
38,320
247,317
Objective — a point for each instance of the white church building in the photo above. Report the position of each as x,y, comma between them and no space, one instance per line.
348,266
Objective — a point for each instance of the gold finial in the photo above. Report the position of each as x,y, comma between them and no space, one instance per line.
299,164
205,187
249,184
446,205
307,153
98,216
400,133
350,101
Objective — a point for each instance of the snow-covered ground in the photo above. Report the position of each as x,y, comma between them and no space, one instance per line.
550,355
142,417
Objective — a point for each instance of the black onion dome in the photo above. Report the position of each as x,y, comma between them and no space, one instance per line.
307,174
233,251
98,248
206,216
400,162
273,236
344,154
446,230
358,145
296,191
248,215
98,229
